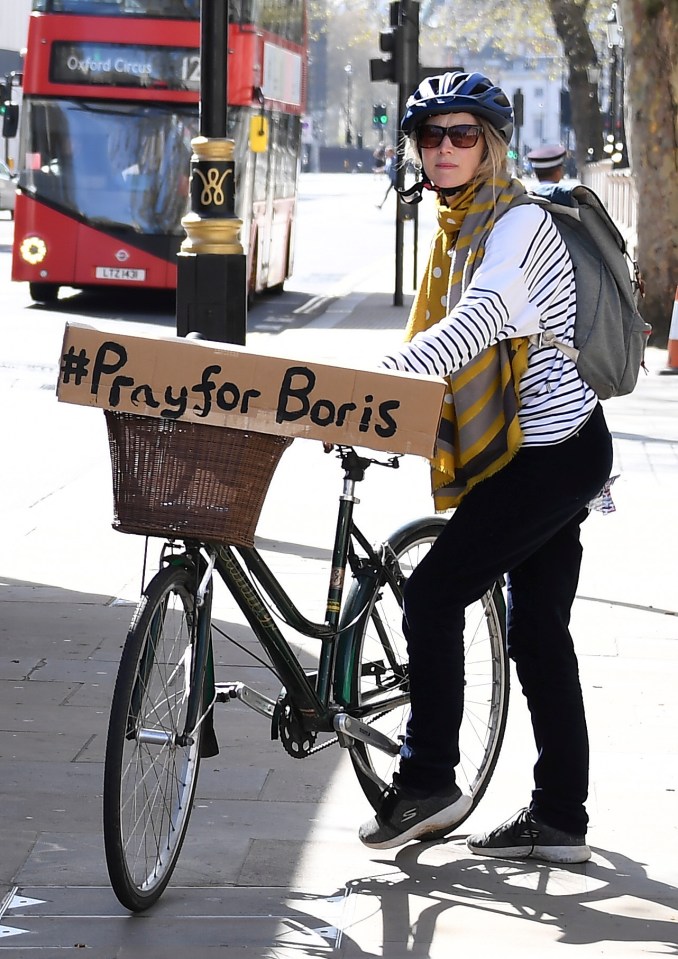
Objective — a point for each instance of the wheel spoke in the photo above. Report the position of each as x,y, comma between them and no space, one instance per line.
150,780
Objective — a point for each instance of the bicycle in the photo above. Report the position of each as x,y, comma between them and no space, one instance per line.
162,713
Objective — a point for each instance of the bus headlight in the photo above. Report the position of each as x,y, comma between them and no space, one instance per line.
33,250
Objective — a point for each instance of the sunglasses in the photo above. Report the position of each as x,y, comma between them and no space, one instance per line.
464,135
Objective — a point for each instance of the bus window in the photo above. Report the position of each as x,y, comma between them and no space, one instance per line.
179,9
286,20
111,163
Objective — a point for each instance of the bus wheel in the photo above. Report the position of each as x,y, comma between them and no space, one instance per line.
44,292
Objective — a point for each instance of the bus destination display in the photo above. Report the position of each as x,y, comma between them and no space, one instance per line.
124,65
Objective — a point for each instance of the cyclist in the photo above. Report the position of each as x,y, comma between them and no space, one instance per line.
522,449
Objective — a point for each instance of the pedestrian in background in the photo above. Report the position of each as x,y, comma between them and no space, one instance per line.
548,164
379,157
520,468
391,171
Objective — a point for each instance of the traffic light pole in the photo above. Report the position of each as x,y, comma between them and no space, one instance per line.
211,278
403,210
518,110
401,42
407,76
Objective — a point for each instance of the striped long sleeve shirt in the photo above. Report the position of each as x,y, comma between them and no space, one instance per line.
524,284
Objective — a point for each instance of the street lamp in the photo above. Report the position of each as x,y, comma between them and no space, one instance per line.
613,28
348,69
615,145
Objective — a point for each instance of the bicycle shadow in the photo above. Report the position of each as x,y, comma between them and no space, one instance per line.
609,899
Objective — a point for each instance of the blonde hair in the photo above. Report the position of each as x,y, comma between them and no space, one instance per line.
496,153
492,163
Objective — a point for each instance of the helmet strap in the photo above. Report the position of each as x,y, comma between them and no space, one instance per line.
413,193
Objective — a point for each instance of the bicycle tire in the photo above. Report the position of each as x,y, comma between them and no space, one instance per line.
379,664
149,785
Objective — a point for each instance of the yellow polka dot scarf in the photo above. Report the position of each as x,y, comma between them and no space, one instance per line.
479,431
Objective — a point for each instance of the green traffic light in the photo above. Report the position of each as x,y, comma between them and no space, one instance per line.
379,115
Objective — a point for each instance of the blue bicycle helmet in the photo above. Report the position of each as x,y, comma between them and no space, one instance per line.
460,93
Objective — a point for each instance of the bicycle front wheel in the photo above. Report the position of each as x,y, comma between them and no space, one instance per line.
151,770
380,670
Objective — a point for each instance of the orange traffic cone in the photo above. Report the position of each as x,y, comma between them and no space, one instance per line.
672,365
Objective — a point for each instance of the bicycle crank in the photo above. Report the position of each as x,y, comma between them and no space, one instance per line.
349,728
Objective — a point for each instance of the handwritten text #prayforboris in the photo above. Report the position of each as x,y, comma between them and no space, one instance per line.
297,398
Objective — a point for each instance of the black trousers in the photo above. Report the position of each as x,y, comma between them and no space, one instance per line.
524,521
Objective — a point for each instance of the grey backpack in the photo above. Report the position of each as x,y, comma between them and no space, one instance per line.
610,335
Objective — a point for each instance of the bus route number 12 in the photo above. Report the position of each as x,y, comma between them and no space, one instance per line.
190,70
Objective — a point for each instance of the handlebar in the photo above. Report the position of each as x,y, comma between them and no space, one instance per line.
354,465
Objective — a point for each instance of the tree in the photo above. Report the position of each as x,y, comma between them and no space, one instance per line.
569,18
651,66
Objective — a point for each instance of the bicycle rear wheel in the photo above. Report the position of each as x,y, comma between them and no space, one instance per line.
380,672
150,774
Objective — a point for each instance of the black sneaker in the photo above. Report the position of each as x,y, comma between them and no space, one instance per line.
402,817
523,837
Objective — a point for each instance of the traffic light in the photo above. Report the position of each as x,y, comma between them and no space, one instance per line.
565,109
10,119
379,115
385,69
518,107
9,112
401,42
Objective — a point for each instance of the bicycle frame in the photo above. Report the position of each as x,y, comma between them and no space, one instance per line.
243,570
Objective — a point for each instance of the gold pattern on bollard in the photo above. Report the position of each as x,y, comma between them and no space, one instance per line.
211,234
213,186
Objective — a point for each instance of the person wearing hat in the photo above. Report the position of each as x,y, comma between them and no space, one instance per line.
521,451
548,163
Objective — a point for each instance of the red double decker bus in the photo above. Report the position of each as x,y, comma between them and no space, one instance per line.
110,106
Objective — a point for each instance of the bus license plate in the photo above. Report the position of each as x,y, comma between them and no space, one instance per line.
119,273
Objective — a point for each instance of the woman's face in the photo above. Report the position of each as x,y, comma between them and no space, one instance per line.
449,166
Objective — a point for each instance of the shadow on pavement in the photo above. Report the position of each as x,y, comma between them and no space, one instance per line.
609,899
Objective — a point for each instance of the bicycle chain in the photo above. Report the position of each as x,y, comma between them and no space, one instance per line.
320,746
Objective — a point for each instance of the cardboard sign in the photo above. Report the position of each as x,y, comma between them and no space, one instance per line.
224,385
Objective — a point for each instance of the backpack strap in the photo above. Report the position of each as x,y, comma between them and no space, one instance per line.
547,338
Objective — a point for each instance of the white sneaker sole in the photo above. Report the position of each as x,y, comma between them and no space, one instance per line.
439,824
561,854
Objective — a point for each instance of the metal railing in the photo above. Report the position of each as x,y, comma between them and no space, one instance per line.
617,190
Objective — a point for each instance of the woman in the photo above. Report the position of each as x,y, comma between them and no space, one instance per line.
522,449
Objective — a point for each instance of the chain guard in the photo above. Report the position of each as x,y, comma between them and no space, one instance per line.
296,740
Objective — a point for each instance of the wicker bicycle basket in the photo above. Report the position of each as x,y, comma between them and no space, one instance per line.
189,480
